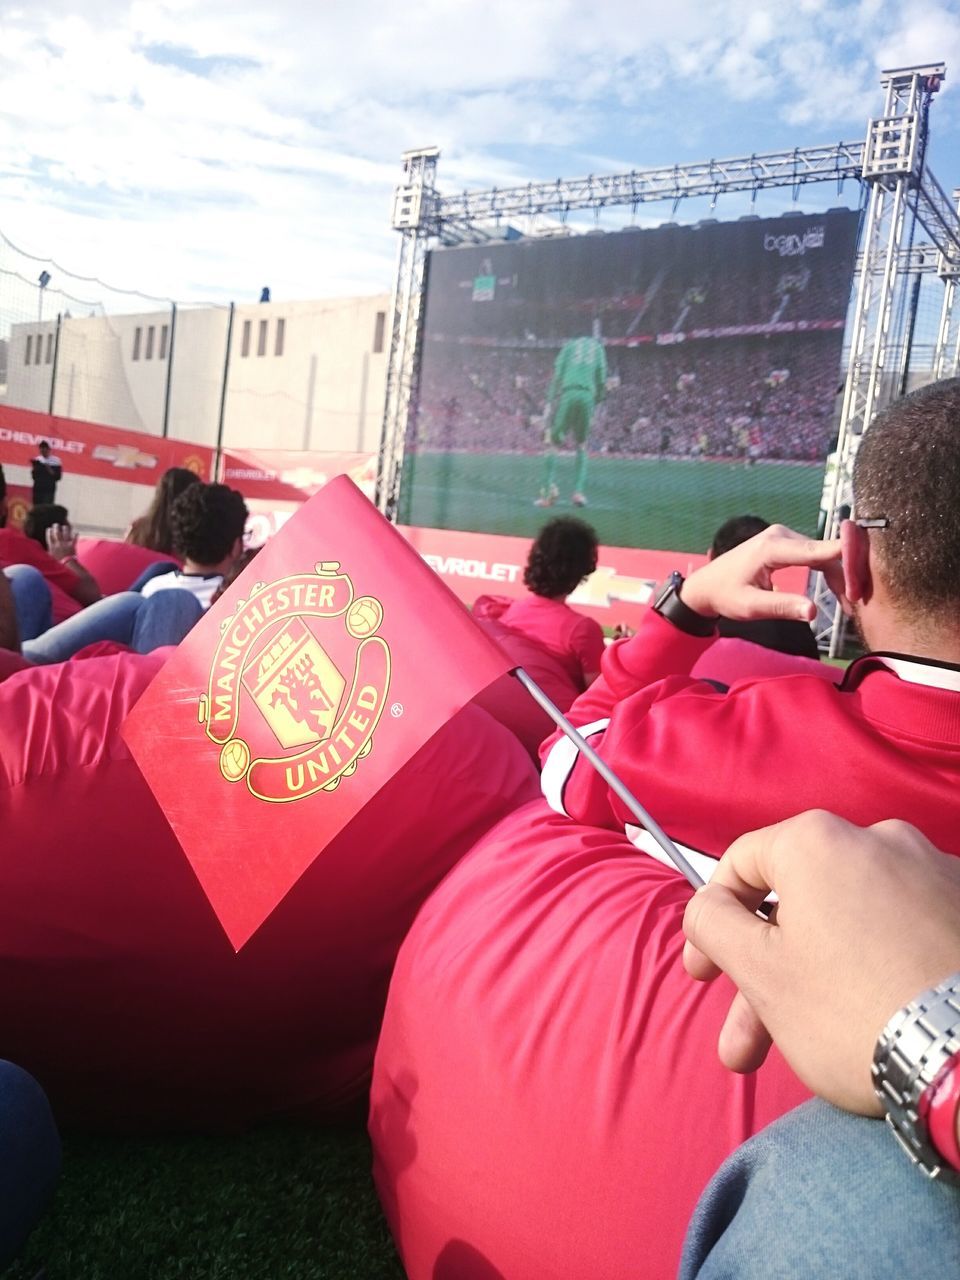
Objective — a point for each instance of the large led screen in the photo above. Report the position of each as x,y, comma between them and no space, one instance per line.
657,381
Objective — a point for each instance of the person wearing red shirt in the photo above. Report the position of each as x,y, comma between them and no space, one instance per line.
558,647
71,586
560,1069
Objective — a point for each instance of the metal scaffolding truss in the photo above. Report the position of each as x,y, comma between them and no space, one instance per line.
641,186
889,163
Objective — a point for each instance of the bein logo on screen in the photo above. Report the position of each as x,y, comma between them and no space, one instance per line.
792,246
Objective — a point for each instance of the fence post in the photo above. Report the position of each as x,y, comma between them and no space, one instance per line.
53,370
166,390
223,396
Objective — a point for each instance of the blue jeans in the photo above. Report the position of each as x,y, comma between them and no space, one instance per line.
31,600
127,618
29,1157
827,1196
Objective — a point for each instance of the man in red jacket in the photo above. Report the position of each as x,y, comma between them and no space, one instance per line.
546,1088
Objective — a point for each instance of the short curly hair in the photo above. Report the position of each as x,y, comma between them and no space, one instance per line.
907,469
206,521
564,553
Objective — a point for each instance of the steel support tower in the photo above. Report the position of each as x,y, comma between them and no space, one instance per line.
890,164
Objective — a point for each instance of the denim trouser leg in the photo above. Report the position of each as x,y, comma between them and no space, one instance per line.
29,1157
827,1196
112,618
127,617
165,618
31,599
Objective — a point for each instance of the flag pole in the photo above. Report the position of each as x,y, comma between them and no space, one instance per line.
629,799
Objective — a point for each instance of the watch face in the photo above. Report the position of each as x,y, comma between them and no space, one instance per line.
671,586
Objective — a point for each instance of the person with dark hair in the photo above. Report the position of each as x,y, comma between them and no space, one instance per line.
40,519
46,471
559,648
206,527
786,635
563,554
49,582
153,529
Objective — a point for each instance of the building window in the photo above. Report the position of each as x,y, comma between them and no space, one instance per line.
262,339
278,345
245,340
26,358
38,349
148,354
49,355
136,342
379,329
162,353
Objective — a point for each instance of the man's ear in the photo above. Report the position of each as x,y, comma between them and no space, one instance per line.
855,551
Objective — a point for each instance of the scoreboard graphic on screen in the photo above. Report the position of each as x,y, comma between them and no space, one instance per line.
660,380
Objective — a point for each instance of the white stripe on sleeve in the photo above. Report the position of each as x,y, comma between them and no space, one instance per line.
559,765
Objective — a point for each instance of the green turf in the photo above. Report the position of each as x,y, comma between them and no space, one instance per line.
270,1205
633,502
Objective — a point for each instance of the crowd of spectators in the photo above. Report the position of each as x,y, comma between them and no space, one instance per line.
709,399
57,603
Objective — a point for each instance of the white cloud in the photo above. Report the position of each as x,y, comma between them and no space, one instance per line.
188,148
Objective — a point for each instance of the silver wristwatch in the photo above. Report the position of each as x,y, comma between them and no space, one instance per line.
913,1048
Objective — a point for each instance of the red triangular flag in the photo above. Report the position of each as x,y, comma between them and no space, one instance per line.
331,660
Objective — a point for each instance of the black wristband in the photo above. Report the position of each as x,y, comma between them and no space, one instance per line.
669,605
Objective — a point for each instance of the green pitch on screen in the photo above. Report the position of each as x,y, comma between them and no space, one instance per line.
657,504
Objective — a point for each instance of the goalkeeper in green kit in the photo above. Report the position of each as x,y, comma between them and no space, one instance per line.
578,385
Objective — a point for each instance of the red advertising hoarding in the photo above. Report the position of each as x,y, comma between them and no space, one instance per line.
621,588
90,449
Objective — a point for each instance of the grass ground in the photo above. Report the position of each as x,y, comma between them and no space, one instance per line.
278,1204
633,502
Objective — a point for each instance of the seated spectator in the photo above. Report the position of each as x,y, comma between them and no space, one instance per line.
788,635
71,586
153,529
206,525
558,648
822,985
208,522
562,556
40,519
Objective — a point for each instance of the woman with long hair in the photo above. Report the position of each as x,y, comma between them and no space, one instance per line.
153,528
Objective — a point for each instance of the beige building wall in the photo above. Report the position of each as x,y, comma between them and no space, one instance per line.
302,375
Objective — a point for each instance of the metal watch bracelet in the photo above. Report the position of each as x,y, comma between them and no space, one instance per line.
912,1050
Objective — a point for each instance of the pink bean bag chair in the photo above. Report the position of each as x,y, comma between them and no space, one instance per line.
119,990
116,565
547,1102
730,659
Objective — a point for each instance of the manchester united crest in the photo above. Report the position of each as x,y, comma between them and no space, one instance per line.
290,721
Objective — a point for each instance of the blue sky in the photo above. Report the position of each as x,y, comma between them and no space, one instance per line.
200,152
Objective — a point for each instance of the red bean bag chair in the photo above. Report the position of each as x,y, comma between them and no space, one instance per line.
506,699
119,990
116,565
730,659
546,1093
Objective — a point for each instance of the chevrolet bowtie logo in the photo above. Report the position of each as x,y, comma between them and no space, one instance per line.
126,456
606,585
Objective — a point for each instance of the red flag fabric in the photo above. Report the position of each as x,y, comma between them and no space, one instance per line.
334,657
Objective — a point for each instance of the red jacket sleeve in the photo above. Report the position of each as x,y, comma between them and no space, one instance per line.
652,665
